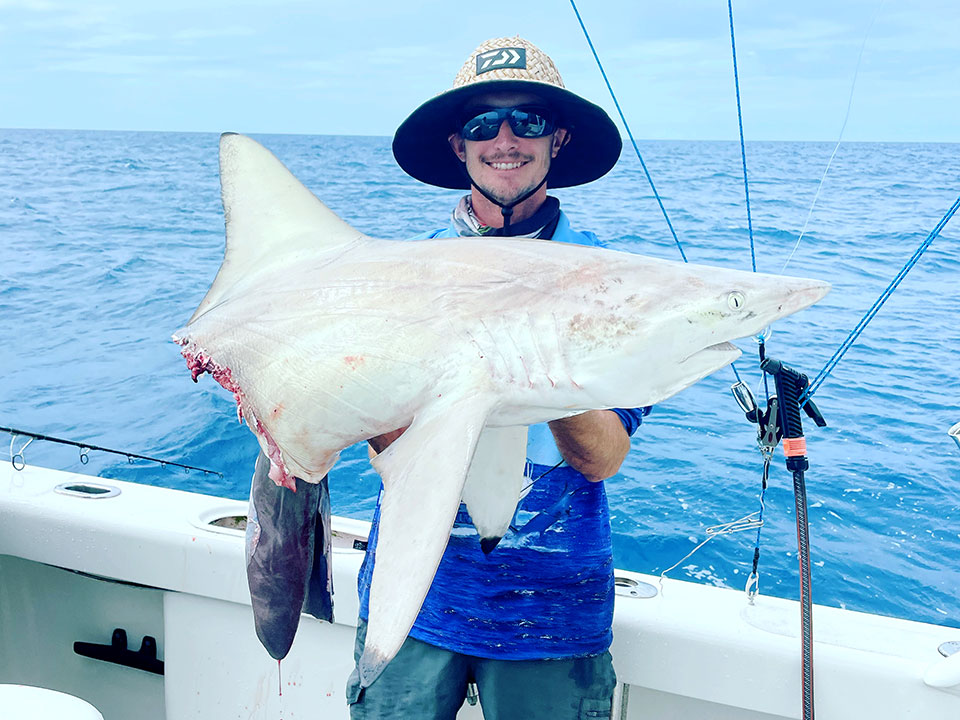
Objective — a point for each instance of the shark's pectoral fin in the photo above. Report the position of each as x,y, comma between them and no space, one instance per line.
494,482
423,475
281,557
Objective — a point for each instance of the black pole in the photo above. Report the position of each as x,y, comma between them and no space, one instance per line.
790,386
806,601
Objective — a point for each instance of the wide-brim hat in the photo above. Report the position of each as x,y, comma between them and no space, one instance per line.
421,147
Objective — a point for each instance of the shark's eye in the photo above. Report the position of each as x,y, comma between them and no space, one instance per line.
736,300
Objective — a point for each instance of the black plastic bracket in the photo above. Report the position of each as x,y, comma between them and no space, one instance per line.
117,652
791,386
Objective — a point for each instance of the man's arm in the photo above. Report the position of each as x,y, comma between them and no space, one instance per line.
594,443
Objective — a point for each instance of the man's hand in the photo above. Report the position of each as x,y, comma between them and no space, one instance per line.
593,443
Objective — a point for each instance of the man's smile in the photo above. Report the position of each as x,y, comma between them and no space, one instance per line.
507,163
506,166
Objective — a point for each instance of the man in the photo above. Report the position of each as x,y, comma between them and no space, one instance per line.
528,624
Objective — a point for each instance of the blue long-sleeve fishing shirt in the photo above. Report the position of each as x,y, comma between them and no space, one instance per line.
547,590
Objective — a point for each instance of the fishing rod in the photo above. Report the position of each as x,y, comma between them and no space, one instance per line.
785,411
18,462
790,385
774,424
785,421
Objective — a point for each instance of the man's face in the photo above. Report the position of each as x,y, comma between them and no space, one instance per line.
506,166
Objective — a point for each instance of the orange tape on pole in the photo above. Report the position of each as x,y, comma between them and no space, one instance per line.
795,447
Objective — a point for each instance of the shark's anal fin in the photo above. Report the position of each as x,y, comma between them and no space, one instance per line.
494,482
423,475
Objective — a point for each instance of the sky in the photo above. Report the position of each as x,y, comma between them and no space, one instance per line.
358,68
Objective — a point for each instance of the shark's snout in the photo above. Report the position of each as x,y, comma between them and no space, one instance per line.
772,298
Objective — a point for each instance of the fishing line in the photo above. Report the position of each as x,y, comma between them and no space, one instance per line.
84,448
789,386
746,186
836,147
875,308
626,125
751,521
743,150
636,149
753,580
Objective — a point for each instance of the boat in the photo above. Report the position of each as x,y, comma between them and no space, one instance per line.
134,599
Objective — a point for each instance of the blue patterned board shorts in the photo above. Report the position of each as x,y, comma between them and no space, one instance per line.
430,683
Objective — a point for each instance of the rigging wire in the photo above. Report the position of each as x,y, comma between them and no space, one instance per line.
755,519
743,150
799,490
751,521
875,308
17,459
836,147
626,125
636,149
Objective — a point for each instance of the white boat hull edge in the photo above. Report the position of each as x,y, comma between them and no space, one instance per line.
693,651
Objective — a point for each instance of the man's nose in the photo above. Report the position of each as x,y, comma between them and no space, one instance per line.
505,136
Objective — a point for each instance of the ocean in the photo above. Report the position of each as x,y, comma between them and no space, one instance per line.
110,239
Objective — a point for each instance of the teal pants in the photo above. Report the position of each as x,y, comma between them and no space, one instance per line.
430,683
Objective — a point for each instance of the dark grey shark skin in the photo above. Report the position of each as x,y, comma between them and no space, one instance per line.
288,557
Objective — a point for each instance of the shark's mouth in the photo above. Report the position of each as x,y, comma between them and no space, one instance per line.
722,347
715,356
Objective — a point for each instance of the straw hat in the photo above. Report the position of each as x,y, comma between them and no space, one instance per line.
507,65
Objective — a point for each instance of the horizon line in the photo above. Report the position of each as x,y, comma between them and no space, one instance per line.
358,135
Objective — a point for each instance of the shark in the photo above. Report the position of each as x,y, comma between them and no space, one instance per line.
327,337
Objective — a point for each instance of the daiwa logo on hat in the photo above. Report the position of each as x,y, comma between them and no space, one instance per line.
501,58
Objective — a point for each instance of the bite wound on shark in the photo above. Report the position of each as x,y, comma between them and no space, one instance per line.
198,364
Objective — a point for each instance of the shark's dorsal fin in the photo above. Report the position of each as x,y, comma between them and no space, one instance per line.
269,216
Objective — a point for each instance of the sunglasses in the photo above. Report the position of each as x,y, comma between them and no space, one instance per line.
525,122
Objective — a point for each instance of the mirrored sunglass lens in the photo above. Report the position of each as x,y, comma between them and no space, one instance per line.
529,123
483,126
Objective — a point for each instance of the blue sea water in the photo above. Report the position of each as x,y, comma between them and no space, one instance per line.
110,239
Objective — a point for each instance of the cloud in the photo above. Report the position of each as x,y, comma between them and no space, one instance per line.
116,64
72,18
29,5
399,55
192,34
110,39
